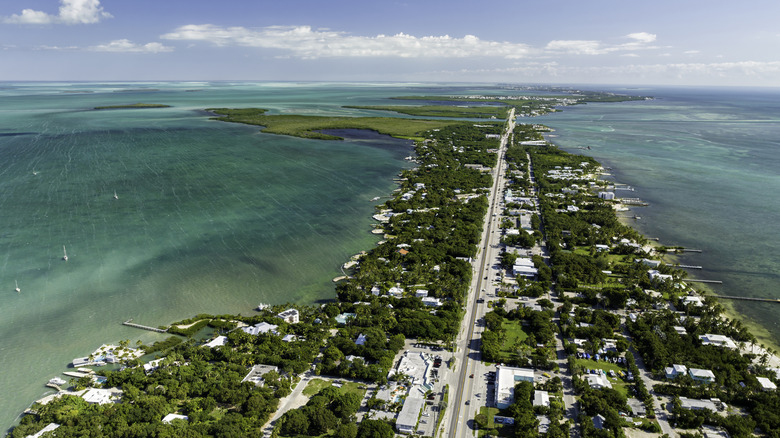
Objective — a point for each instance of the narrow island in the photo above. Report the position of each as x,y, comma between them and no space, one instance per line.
504,292
133,106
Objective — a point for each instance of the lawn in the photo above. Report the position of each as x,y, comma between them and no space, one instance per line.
492,428
513,336
317,385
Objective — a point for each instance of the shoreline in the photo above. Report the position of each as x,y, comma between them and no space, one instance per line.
761,333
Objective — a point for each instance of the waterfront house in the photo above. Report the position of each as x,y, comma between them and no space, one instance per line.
717,340
260,328
290,316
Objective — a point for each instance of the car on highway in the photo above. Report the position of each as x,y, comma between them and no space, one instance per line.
471,376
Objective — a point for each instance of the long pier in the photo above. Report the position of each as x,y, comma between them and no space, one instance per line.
130,323
704,281
688,266
732,297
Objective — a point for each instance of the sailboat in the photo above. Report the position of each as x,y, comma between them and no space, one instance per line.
17,286
65,253
115,196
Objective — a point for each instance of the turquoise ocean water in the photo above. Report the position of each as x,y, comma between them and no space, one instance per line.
215,217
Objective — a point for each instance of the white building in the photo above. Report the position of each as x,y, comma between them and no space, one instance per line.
541,398
431,302
656,275
290,316
702,376
257,372
766,384
506,379
607,195
99,396
49,427
698,405
695,301
406,422
717,340
597,381
259,328
524,267
170,417
217,342
676,370
421,293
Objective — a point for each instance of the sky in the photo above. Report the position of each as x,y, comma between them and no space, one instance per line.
632,42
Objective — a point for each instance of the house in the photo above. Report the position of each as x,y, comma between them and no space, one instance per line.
541,398
694,404
597,381
217,342
396,292
717,340
506,378
680,330
421,293
766,384
544,424
257,372
260,328
289,338
290,316
675,370
598,421
170,417
656,275
100,396
608,196
152,365
701,376
692,300
431,302
49,427
361,339
376,291
407,418
343,318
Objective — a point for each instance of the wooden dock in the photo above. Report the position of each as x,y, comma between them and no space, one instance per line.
703,281
687,266
732,297
130,323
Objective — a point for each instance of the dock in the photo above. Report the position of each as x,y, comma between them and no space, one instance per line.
732,297
687,266
130,323
704,281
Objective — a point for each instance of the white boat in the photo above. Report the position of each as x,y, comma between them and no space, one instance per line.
115,196
57,381
17,286
65,253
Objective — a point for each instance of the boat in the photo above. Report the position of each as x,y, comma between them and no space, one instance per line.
57,381
17,286
115,196
65,253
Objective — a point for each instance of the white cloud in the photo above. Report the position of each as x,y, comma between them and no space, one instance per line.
125,45
304,42
642,37
577,47
71,12
691,52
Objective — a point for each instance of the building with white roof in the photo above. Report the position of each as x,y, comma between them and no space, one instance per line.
694,404
702,376
99,396
361,339
690,299
259,328
431,302
290,316
217,342
406,422
675,370
257,372
597,381
766,384
656,275
717,340
541,398
506,379
49,427
170,417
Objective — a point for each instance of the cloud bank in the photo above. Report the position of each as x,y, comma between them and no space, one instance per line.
71,12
